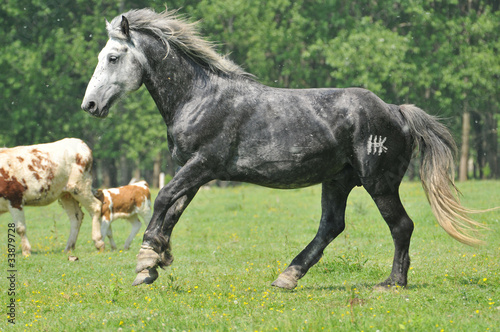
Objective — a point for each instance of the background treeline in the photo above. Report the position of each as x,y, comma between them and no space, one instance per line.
440,55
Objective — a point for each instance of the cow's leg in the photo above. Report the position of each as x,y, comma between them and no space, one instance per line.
145,214
109,233
19,220
93,206
333,204
75,214
136,225
168,207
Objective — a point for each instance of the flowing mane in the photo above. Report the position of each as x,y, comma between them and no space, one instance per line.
171,28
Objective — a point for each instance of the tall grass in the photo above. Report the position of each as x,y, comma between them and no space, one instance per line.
229,246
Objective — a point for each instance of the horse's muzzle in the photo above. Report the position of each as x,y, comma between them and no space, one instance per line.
92,108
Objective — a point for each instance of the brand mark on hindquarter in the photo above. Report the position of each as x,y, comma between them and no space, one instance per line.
375,144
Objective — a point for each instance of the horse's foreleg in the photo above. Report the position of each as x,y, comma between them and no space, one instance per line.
401,227
149,258
75,215
333,204
20,222
171,201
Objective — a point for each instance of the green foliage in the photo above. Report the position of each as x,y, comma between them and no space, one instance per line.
439,55
371,56
227,257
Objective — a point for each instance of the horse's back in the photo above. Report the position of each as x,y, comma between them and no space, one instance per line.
295,138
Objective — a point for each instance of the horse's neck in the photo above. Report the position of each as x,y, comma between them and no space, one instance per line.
171,83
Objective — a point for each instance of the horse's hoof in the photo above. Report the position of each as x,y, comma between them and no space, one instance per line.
146,276
387,285
146,259
382,288
284,282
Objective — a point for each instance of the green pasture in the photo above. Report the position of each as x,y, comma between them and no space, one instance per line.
231,243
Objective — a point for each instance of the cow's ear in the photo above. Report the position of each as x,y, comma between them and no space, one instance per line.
99,195
125,27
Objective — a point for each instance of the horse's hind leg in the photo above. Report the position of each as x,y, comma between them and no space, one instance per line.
333,204
401,227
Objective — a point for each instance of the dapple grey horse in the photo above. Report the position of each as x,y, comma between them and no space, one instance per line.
223,124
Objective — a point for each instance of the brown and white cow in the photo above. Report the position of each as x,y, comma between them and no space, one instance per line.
127,202
38,175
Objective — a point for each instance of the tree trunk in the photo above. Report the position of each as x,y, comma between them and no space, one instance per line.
479,144
125,172
492,156
464,155
136,174
95,174
106,178
157,170
109,173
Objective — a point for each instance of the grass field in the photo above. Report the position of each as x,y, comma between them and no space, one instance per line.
232,243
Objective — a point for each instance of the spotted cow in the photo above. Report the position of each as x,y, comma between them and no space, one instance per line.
38,175
127,202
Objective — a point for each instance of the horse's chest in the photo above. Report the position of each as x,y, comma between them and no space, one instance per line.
178,146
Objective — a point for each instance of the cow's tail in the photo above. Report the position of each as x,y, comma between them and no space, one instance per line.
438,151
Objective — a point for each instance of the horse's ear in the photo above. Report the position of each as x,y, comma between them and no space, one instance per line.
124,27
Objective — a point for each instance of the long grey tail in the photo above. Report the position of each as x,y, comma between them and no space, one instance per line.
438,151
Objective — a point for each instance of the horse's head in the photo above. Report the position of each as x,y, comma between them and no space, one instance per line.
120,70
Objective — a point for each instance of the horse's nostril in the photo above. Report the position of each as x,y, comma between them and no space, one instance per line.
90,106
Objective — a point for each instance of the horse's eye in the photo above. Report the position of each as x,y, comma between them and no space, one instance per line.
112,58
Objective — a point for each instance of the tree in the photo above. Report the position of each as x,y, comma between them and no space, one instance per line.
439,55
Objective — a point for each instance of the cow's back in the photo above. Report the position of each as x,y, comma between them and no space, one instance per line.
43,171
125,201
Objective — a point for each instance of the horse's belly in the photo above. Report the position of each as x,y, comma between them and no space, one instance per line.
287,173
